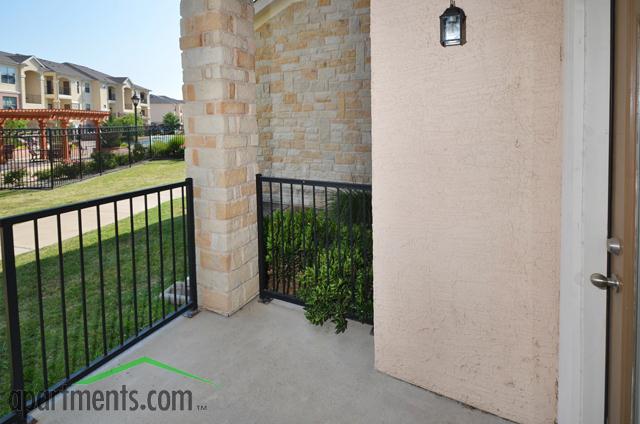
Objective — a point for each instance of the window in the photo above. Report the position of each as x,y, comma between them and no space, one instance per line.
7,75
87,106
10,103
87,87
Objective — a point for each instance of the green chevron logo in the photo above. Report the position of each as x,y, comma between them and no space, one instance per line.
143,360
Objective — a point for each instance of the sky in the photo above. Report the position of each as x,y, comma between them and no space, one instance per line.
138,39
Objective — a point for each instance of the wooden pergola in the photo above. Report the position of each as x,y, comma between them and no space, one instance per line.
43,116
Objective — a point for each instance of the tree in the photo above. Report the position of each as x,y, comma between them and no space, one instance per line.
127,120
15,124
171,121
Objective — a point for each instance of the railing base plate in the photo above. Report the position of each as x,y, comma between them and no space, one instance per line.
191,313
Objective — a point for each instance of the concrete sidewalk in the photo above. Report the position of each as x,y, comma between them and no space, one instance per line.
48,229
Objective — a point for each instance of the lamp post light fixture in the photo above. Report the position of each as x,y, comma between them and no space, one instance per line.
453,28
136,101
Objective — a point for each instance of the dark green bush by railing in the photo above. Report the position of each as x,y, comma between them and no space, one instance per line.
316,256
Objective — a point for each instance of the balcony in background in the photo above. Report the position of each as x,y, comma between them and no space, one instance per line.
33,98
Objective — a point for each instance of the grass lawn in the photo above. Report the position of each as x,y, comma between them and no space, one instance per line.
88,343
146,174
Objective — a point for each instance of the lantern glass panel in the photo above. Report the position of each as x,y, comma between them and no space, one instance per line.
452,29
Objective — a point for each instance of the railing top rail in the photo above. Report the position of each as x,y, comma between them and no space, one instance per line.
328,184
43,213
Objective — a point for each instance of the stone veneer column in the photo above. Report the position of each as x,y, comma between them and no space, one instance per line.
218,61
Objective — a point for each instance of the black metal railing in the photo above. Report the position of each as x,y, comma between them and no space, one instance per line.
33,159
97,277
315,237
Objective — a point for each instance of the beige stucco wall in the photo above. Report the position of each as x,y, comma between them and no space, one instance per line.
466,202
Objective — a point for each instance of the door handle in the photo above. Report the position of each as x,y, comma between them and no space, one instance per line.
602,282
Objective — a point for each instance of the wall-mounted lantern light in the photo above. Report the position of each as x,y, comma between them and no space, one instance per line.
453,31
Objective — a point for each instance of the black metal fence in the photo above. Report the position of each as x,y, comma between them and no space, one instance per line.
84,282
33,159
315,244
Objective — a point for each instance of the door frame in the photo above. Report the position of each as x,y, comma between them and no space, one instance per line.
586,93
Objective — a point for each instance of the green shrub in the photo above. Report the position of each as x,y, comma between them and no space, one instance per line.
122,159
15,177
169,149
337,287
138,152
158,149
310,255
42,175
103,161
347,205
176,147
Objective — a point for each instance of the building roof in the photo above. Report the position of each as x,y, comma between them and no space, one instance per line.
62,68
119,80
164,100
92,73
6,58
67,68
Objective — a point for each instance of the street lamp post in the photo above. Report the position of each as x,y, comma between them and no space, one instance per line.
136,101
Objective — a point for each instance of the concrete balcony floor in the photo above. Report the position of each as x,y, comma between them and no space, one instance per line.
270,366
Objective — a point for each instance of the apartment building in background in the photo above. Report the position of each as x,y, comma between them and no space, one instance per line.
29,82
163,105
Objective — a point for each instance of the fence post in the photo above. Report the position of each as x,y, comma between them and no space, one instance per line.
99,147
17,398
262,270
51,159
191,246
80,137
129,145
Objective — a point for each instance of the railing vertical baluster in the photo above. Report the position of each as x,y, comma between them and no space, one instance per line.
173,253
83,289
262,272
315,234
133,266
161,254
43,347
304,230
146,229
292,246
118,272
184,246
63,304
338,213
281,238
351,249
12,317
192,245
101,269
274,261
326,233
